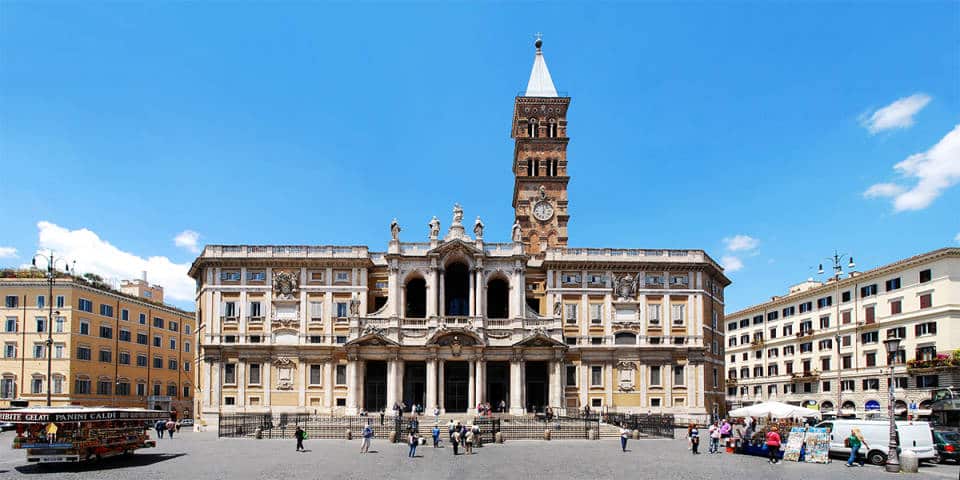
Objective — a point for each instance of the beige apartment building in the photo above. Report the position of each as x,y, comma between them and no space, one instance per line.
109,348
451,319
821,345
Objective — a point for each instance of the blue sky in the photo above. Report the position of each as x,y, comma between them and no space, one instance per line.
765,133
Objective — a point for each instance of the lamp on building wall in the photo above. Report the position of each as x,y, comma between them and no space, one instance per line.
893,458
51,276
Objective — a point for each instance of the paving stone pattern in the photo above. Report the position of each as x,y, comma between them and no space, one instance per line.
204,456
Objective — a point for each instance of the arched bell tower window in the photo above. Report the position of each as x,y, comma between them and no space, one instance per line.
536,167
552,167
552,128
529,167
532,128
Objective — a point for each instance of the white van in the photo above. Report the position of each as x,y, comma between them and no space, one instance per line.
915,436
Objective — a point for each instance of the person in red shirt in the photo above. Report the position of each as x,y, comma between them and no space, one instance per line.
773,444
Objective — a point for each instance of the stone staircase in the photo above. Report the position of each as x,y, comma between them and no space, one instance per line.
608,431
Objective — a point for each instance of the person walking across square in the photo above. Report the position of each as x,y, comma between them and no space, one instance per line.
773,445
624,435
367,438
299,434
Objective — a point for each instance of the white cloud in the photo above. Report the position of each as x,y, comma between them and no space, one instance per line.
957,238
731,263
740,243
187,240
8,252
95,255
898,114
935,170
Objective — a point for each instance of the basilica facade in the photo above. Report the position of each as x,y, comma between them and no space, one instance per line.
453,320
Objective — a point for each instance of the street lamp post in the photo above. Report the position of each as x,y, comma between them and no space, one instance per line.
893,458
51,276
837,260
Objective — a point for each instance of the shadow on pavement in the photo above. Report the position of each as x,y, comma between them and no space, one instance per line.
136,460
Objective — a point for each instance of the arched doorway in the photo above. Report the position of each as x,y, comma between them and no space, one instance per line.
498,298
416,297
456,290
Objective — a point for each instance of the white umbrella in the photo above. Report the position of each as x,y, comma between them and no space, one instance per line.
774,410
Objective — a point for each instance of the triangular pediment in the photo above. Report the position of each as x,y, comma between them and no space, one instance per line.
372,339
455,245
540,339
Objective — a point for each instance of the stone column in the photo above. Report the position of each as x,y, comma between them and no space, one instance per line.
481,381
431,386
516,388
328,384
472,297
267,386
691,372
216,384
667,381
398,372
303,375
433,293
701,384
471,386
352,387
241,382
243,308
608,384
361,376
441,382
441,306
584,384
478,298
556,384
391,384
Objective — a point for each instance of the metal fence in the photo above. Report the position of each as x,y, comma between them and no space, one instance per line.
268,425
561,428
648,424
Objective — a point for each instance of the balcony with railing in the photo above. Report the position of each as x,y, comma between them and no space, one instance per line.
267,251
807,376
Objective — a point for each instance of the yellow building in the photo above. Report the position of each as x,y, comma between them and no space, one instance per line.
109,348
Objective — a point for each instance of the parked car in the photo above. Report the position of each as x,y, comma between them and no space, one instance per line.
186,422
7,426
915,436
947,443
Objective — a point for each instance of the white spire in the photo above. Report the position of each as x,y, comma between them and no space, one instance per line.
540,84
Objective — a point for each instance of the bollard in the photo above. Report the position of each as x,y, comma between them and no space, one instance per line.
546,434
392,437
909,462
349,434
591,434
636,434
498,437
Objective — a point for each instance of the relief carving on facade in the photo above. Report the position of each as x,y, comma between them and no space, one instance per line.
285,284
627,372
285,368
625,287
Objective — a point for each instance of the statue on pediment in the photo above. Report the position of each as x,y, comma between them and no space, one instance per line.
516,234
478,228
434,228
395,230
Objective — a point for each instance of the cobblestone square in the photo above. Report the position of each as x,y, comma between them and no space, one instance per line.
203,455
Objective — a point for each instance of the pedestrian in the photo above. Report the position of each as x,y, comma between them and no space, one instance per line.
171,427
450,427
503,406
178,426
412,440
436,415
299,434
725,430
476,435
160,427
694,438
382,413
415,424
855,441
624,435
469,441
367,438
436,436
773,445
455,441
714,432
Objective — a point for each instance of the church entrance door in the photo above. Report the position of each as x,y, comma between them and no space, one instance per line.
375,386
457,376
415,384
498,384
537,386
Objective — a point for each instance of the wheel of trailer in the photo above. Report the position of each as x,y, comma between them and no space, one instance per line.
877,457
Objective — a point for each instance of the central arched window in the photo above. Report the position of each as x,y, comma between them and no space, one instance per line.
456,290
416,306
552,128
498,299
532,128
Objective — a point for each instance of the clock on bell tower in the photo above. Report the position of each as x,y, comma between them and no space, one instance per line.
540,161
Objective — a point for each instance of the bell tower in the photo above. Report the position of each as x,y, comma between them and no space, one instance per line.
540,160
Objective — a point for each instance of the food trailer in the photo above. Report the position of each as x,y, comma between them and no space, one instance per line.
75,434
